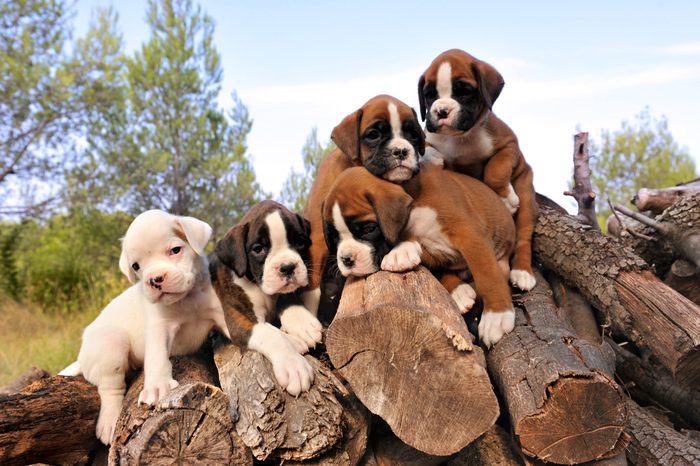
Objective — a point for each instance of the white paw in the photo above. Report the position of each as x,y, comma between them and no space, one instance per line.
297,321
494,325
464,295
156,389
404,257
433,157
512,201
522,279
292,371
107,420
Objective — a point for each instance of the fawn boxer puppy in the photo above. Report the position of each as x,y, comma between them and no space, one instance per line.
385,137
256,271
456,93
169,311
445,220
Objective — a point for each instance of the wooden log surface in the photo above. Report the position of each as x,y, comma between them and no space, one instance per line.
494,448
396,340
51,420
617,282
271,422
563,406
190,425
660,199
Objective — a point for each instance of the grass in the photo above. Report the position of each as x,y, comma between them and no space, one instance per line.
31,337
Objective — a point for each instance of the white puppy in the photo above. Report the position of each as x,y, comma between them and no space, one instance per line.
169,311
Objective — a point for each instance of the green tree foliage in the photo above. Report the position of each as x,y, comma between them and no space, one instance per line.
297,185
640,154
172,146
46,96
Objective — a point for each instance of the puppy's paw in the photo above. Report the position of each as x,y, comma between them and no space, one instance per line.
297,321
292,371
465,296
511,200
107,420
156,389
404,257
522,279
494,325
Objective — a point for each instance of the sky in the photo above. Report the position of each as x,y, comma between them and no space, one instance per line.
568,67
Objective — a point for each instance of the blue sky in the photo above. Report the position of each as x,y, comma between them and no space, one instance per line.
567,66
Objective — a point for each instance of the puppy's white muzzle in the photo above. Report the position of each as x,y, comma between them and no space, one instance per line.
167,284
355,258
284,273
444,112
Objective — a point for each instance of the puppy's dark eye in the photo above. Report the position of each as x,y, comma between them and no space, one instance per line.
135,266
411,134
258,248
373,135
176,250
369,231
461,88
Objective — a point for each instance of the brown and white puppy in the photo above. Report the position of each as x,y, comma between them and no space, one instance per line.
456,93
256,271
442,219
385,137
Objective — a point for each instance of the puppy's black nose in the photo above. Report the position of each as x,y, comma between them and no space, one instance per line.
348,261
156,281
442,113
399,152
287,269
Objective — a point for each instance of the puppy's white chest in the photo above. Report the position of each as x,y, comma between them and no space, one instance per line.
423,224
475,146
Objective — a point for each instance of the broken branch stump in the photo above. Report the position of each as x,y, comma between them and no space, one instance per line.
190,425
35,422
396,339
271,422
563,406
617,282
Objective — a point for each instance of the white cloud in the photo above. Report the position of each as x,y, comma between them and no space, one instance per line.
683,49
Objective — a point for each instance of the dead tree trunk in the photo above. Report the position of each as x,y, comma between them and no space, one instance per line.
271,422
52,420
191,425
402,345
658,200
563,406
618,283
583,190
653,443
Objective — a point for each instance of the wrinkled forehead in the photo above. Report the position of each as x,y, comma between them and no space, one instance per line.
382,108
151,234
350,193
458,63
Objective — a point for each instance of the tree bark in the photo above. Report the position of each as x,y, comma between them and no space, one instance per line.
402,345
658,384
658,200
52,420
33,374
494,448
191,424
583,190
617,282
271,422
563,406
653,443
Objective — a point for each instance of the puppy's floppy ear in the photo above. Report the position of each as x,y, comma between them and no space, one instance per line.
231,249
421,97
329,232
490,81
196,232
392,208
125,266
347,135
421,135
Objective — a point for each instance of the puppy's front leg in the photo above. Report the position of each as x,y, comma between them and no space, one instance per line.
403,257
158,371
297,321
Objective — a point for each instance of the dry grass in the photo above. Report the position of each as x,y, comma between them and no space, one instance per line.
30,337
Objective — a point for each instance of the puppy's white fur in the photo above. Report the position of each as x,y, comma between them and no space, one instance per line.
169,311
361,253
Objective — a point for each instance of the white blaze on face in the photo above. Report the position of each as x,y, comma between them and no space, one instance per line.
281,255
445,102
361,253
409,160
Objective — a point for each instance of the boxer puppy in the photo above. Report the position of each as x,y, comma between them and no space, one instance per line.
385,137
169,311
256,271
442,219
456,93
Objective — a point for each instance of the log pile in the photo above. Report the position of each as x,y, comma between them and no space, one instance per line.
602,368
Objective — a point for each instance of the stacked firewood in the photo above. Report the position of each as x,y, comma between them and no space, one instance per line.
603,367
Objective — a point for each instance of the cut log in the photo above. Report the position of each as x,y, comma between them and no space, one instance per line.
269,420
402,345
658,384
658,200
31,375
389,450
563,406
191,425
684,277
618,283
583,190
494,448
653,443
52,420
573,309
